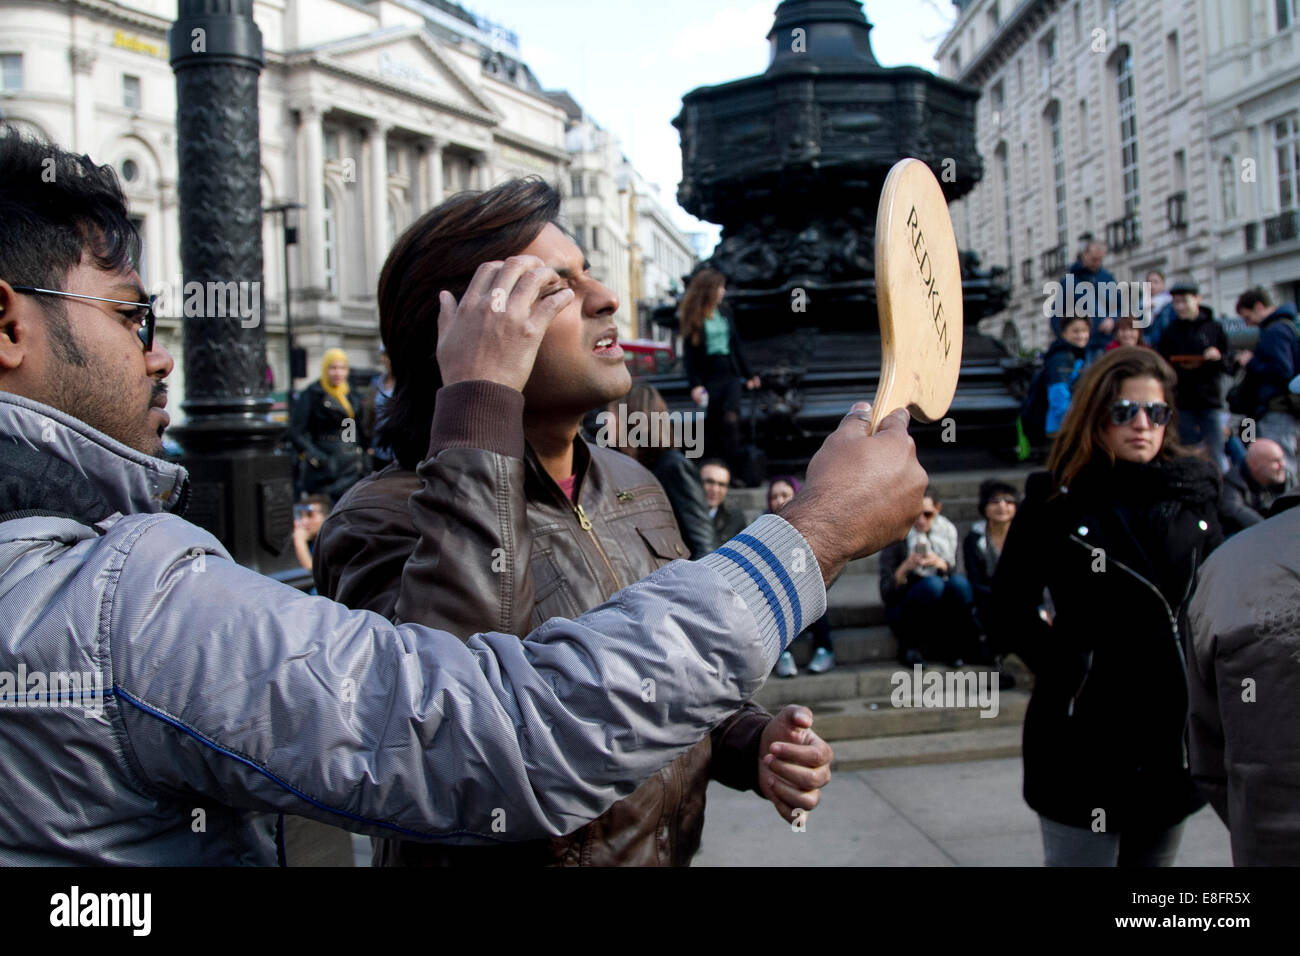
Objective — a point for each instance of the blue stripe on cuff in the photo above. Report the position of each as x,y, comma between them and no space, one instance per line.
764,552
774,603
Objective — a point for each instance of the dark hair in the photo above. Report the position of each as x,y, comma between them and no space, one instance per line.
932,494
716,463
54,208
698,302
1080,437
1071,319
1253,297
441,250
326,504
994,486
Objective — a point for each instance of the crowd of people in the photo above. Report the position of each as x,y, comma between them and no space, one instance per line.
508,662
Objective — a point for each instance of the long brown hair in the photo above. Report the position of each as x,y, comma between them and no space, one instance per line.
698,303
1080,437
441,250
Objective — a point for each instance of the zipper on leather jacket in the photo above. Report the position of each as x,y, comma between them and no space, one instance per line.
586,526
1173,626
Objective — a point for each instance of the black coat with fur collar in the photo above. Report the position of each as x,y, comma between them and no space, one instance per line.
1104,740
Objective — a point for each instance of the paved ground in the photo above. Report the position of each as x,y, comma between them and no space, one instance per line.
957,814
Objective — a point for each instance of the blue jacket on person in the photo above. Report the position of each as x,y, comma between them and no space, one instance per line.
1163,319
1277,356
1062,366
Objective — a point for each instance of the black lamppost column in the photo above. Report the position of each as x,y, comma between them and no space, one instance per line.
242,480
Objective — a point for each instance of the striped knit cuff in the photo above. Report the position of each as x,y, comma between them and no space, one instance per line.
773,570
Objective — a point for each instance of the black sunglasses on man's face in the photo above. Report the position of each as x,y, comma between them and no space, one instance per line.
143,313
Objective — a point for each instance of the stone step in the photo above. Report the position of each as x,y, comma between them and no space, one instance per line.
854,601
871,680
915,749
853,646
860,717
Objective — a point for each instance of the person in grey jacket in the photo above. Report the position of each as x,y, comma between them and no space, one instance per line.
1242,672
164,705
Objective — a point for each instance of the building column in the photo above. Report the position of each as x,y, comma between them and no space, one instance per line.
83,98
377,137
311,143
434,184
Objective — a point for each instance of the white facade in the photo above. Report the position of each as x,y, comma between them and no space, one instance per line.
597,209
665,254
371,112
1253,102
1111,118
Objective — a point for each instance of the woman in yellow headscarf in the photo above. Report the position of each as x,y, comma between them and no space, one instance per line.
326,431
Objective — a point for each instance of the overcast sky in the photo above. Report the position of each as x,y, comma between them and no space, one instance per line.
628,62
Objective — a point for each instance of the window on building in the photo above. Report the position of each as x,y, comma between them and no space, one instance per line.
1127,130
131,92
575,182
394,160
1228,188
997,99
1057,141
994,17
333,144
1173,64
956,61
1047,49
1286,148
1180,171
1020,75
11,71
1083,119
130,170
1078,22
329,244
1287,11
595,238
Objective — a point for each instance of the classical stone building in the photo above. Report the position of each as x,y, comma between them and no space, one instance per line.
371,112
1113,119
1252,97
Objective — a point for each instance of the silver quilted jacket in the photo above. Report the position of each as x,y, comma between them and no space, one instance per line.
160,704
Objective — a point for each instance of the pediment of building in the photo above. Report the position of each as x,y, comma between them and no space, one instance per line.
405,59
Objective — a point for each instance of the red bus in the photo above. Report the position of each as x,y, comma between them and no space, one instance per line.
647,357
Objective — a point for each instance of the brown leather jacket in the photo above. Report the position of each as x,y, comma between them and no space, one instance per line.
481,538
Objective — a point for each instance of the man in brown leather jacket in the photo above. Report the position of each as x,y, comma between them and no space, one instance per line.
497,515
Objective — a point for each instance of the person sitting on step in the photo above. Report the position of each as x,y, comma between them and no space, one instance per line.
928,605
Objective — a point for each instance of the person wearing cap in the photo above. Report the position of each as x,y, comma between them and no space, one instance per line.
1195,345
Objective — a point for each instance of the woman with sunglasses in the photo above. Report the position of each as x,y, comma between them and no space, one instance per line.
1092,591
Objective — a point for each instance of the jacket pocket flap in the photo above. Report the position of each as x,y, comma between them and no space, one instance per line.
665,543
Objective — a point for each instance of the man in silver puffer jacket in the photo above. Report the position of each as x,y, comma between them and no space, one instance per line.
196,701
